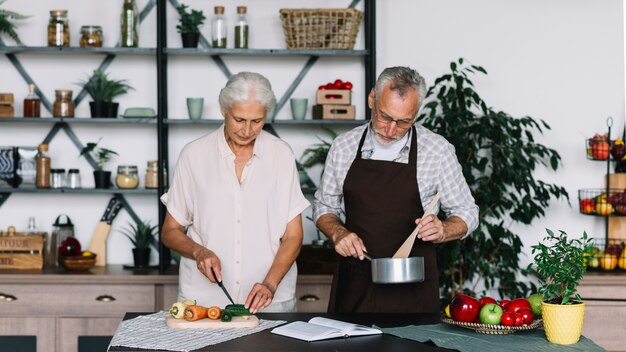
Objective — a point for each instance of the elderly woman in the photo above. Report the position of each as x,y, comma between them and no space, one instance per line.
237,192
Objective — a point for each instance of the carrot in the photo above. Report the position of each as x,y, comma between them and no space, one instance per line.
195,312
214,312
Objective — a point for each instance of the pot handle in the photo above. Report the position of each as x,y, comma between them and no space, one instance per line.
367,256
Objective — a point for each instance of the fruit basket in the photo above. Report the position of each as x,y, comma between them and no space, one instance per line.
493,329
607,256
320,29
78,262
597,202
601,148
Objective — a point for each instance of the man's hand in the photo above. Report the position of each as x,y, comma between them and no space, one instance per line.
348,244
259,297
207,260
432,229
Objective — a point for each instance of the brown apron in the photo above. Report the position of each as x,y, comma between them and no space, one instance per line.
382,201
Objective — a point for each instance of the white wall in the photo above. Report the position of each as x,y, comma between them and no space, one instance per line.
559,60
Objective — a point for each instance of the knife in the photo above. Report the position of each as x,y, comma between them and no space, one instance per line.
222,287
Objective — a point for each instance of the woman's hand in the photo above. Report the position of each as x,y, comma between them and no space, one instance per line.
209,264
260,297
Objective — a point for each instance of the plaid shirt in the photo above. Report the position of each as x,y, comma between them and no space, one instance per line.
437,170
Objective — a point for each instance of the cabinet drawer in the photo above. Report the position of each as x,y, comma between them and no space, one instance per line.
602,291
604,324
77,300
312,297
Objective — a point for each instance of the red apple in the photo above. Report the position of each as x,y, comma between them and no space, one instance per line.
519,320
517,304
527,315
464,308
507,319
504,303
486,300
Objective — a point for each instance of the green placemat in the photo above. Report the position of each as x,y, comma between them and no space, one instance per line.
466,340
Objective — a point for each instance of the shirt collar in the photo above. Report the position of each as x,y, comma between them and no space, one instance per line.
368,144
225,150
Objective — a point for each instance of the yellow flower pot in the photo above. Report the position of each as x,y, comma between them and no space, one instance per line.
563,323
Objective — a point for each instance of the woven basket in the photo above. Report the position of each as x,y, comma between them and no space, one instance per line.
493,329
326,29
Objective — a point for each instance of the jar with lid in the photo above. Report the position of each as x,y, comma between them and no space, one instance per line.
241,29
58,29
42,161
91,37
218,28
57,178
73,179
63,105
152,175
127,177
129,20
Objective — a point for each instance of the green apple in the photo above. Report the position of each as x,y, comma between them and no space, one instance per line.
535,303
490,314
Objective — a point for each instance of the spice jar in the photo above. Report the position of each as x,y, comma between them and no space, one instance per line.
57,178
91,37
152,175
73,179
127,177
58,29
63,105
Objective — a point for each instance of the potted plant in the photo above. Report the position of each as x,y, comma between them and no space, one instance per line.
560,265
6,24
103,90
141,236
102,155
317,153
189,26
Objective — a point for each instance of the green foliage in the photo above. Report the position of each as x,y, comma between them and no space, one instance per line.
6,24
103,89
560,265
316,154
102,155
140,235
498,154
189,22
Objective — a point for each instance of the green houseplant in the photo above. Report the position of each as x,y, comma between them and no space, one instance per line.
103,90
560,265
189,25
102,155
7,26
498,154
141,236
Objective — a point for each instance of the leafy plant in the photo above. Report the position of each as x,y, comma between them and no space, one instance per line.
102,155
140,235
317,153
560,265
498,154
103,89
190,22
6,24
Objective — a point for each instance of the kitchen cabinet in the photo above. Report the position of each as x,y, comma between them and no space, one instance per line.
313,293
43,329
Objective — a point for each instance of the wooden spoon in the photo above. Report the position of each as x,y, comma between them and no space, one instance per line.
405,249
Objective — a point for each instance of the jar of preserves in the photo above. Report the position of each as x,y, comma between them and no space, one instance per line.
127,177
58,29
63,105
91,37
152,175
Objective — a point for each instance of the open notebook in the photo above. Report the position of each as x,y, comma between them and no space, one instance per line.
322,328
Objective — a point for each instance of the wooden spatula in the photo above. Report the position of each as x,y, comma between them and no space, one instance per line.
405,249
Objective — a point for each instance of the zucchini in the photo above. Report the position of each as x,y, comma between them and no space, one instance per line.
226,316
237,310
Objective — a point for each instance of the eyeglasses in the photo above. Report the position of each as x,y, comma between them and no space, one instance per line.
387,120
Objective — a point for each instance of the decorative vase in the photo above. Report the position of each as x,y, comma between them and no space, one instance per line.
141,257
103,109
102,179
190,40
563,323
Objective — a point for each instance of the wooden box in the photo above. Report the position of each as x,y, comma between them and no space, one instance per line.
333,96
334,112
6,105
22,252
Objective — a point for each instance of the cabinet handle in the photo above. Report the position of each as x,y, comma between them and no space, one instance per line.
7,297
105,298
309,298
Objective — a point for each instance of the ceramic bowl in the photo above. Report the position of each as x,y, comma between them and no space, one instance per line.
139,113
78,263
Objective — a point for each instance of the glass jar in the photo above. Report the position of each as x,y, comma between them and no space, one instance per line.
218,28
152,175
241,29
63,105
129,20
91,37
58,29
57,178
73,179
127,177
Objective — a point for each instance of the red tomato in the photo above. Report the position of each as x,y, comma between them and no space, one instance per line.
519,320
322,87
347,85
504,303
507,319
527,315
330,86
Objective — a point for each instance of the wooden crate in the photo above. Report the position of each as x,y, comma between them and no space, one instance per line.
333,96
6,105
334,112
22,251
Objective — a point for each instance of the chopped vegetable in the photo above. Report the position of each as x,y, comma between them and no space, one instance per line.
178,310
195,312
214,312
237,310
227,316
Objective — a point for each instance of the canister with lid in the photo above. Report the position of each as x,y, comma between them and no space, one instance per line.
127,177
152,175
91,37
63,105
73,179
58,29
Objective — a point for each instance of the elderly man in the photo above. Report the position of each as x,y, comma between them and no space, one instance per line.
237,191
380,176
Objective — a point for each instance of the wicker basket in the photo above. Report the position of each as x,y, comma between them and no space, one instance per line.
326,29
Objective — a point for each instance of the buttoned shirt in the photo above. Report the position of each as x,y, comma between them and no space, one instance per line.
241,222
437,170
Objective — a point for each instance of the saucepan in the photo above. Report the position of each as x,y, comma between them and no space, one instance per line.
397,270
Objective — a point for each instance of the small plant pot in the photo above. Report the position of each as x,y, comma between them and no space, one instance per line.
103,109
141,257
563,324
190,40
102,179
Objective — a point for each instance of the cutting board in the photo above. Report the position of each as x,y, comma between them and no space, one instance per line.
249,321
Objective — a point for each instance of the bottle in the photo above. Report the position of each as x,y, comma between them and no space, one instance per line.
58,29
32,104
32,226
241,29
130,39
218,28
63,105
42,161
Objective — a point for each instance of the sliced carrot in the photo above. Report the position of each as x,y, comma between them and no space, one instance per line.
214,312
195,312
